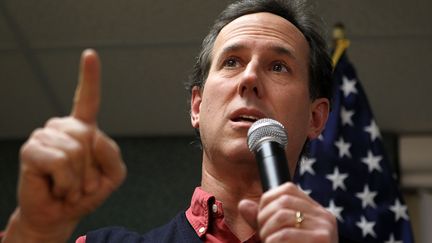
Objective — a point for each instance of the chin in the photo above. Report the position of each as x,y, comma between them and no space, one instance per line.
240,154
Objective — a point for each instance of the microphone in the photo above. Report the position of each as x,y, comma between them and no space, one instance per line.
267,139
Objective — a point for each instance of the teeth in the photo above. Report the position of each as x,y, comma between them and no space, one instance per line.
250,117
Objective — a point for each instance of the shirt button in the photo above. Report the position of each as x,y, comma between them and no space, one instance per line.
214,208
201,230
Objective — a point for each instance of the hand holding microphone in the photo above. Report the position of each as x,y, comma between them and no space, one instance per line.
284,213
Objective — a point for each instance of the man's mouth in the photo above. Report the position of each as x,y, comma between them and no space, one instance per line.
245,118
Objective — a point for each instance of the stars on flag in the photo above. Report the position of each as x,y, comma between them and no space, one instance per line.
346,116
372,161
399,210
306,165
348,86
337,179
367,197
343,148
366,227
393,240
335,210
373,130
362,200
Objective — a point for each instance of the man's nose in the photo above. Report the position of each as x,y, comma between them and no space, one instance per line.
249,83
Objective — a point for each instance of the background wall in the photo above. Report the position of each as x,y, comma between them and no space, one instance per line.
147,50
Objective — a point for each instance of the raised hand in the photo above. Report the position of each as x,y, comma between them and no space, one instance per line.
68,168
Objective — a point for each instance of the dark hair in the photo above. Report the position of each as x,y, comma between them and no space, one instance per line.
296,12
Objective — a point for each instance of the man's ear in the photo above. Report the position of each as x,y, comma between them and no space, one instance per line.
319,114
195,106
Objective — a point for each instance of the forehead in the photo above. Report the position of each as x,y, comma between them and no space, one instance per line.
265,28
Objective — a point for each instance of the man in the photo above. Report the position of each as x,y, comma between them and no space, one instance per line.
262,58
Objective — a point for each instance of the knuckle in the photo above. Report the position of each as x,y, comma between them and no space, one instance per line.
60,159
284,201
83,132
25,151
80,127
290,188
261,219
71,126
75,149
37,133
53,122
282,217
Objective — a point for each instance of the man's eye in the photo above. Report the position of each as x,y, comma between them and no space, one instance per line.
279,67
230,62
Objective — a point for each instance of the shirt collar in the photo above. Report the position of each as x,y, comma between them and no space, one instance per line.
203,206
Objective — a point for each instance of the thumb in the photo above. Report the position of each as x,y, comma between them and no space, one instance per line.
249,211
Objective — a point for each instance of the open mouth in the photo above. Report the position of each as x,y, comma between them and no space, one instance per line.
245,118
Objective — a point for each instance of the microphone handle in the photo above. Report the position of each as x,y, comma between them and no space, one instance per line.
272,165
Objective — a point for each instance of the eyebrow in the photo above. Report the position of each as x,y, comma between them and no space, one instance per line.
233,48
283,51
280,50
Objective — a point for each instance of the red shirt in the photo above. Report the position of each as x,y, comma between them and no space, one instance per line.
206,216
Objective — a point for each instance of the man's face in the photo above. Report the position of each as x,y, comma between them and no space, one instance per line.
259,69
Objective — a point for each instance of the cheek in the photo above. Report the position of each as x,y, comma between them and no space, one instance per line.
294,112
213,101
293,103
219,90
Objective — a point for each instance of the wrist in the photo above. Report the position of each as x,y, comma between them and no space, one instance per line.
18,231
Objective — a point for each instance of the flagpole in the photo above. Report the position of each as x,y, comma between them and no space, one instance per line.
341,43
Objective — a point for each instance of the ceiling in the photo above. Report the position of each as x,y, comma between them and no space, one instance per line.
148,48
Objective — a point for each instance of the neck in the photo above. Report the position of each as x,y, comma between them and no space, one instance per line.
231,185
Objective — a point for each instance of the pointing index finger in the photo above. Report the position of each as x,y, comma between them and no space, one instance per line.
87,93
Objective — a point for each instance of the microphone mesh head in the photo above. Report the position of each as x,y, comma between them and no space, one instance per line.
266,129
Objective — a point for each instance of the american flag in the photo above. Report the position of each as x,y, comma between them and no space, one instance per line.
348,172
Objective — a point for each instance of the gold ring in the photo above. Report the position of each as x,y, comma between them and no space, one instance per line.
298,219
